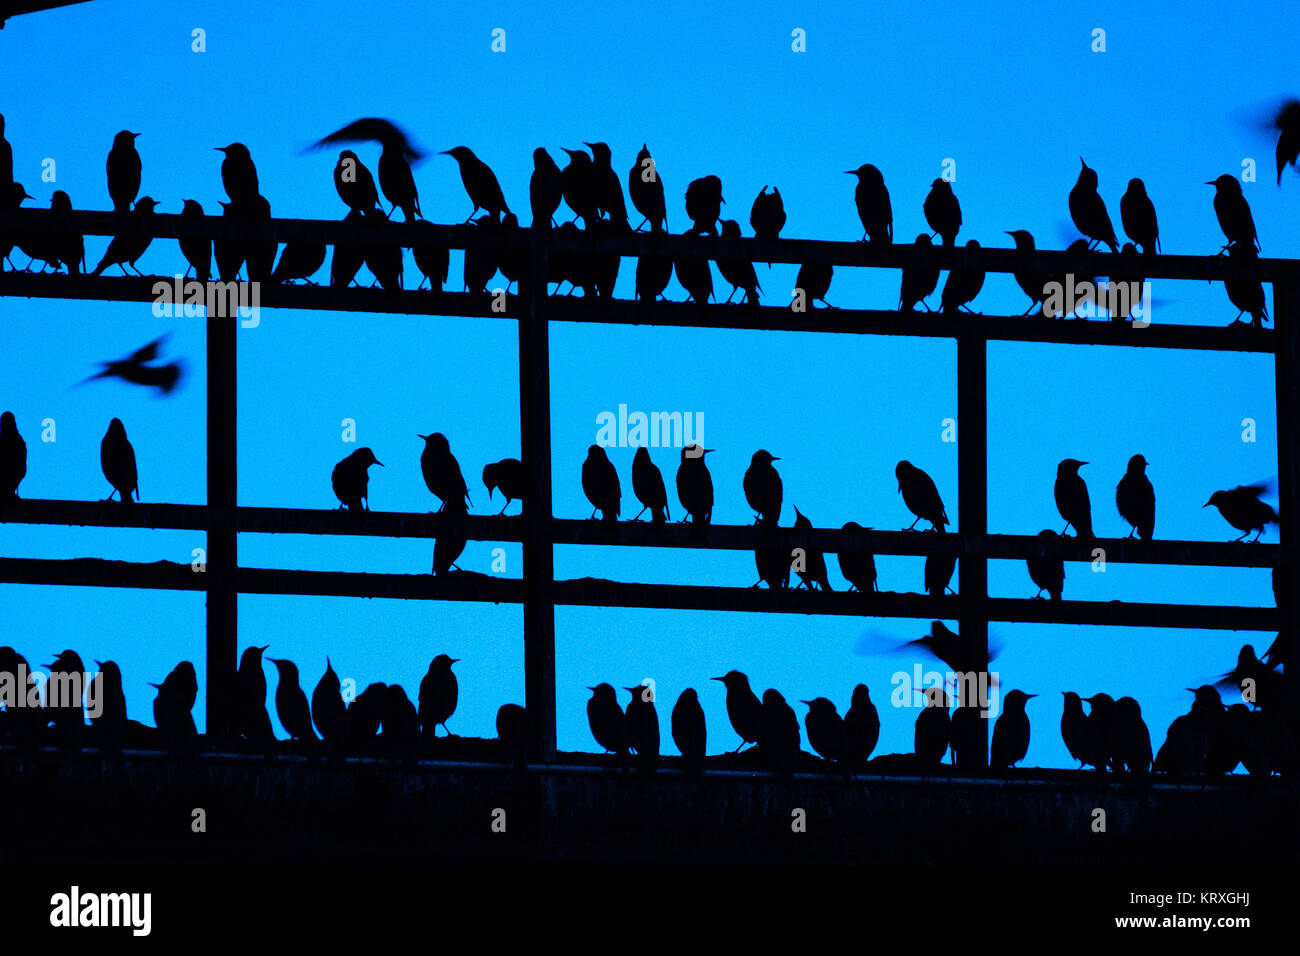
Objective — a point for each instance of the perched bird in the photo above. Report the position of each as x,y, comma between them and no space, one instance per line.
1072,501
608,190
441,470
13,457
858,567
125,249
1136,499
290,701
1242,509
744,709
1233,212
480,183
772,560
481,263
641,722
695,484
872,199
1132,738
354,184
1011,732
1246,294
512,732
348,258
12,195
254,723
123,168
7,157
942,211
767,215
1047,573
259,253
351,479
921,496
365,715
1127,287
918,282
739,272
688,728
812,570
762,486
933,729
431,258
328,712
646,190
545,190
578,185
938,572
117,460
1187,745
136,369
439,691
826,731
509,477
449,545
606,720
600,484
653,273
231,253
1287,123
778,731
1101,731
63,692
300,259
197,252
238,174
174,705
814,280
695,277
1137,213
962,287
648,486
704,205
395,158
383,259
1075,730
66,247
861,727
1088,209
1034,284
401,724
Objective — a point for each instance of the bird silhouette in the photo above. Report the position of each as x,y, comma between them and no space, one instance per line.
197,252
1072,498
1088,209
960,655
354,183
653,273
578,185
259,253
480,183
174,705
1126,287
942,211
401,724
123,169
439,692
328,712
771,559
395,158
695,484
441,470
918,281
117,460
608,190
365,715
1047,573
545,189
126,249
482,262
1187,745
825,729
641,723
300,259
938,572
6,157
1258,682
65,247
347,260
1242,509
744,709
1233,212
1246,294
351,479
704,203
1287,123
648,486
933,729
238,174
695,277
13,195
921,496
600,484
290,701
1136,499
872,199
646,190
606,720
1132,738
509,477
231,253
1137,214
739,272
136,369
1034,284
449,545
383,259
812,570
63,694
858,567
814,280
13,457
688,728
431,257
254,723
861,727
778,731
1100,735
767,215
963,286
1075,729
1011,732
763,488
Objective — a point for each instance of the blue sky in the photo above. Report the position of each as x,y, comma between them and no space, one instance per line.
1013,93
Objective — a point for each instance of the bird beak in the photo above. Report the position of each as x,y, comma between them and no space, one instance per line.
724,202
1209,182
445,152
379,463
776,458
264,648
588,145
808,702
455,660
1030,695
1082,463
1190,690
422,437
219,149
716,678
1082,163
1206,505
850,172
591,688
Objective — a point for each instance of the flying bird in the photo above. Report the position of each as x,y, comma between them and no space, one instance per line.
1242,509
1287,123
136,369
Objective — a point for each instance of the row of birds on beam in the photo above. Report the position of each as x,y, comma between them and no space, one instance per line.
1211,739
1135,501
591,188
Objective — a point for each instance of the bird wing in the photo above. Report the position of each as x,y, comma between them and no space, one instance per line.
147,353
371,129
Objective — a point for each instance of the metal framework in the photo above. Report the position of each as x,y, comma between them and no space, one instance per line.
538,531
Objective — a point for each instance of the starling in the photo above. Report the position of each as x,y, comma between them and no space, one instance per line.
767,215
354,184
826,731
942,211
608,191
348,259
1011,732
1136,499
948,647
7,157
695,484
507,475
395,158
197,252
1072,498
1126,287
123,168
1242,509
300,259
938,572
125,249
250,686
449,546
646,190
739,272
383,259
653,274
290,701
238,174
481,263
744,709
259,253
648,486
861,727
772,561
174,705
600,484
1137,214
918,282
439,691
365,714
1075,729
689,731
872,199
1246,294
578,185
480,183
1047,573
933,728
1034,284
432,259
921,496
13,195
351,479
1100,734
606,720
401,724
704,205
858,567
13,458
117,459
695,277
63,693
1132,738
1187,745
441,470
230,253
778,731
328,711
66,246
763,487
1287,123
962,287
814,281
1088,209
1233,212
136,370
544,189
641,723
814,562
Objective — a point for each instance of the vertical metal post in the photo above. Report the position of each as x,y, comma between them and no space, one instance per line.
1286,321
538,553
972,501
222,559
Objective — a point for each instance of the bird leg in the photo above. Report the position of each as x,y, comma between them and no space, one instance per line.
913,524
1065,529
640,513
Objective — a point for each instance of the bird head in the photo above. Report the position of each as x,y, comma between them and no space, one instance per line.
443,662
1225,182
642,456
436,441
1022,238
694,451
800,519
116,429
287,669
191,207
459,153
60,200
367,457
595,451
8,424
145,204
600,151
1137,187
923,240
730,229
762,456
1137,464
733,678
124,138
1216,499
